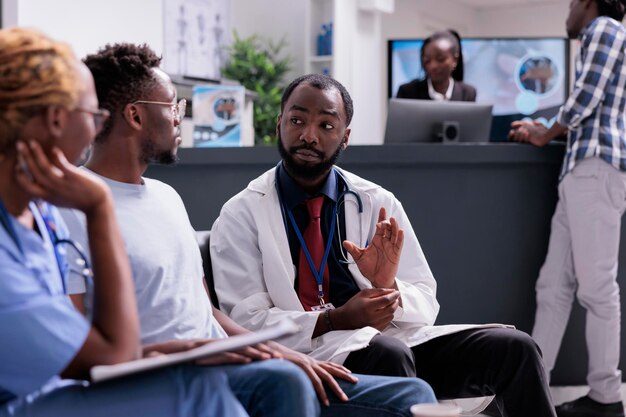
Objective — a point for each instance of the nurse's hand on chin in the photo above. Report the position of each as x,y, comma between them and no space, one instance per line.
54,179
379,261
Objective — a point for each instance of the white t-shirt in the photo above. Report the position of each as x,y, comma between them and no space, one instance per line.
165,261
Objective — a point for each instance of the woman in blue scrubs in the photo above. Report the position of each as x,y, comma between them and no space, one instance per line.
48,116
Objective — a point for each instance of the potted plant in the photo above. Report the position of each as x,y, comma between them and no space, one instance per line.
256,63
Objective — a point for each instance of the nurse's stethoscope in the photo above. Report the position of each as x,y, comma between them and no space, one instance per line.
81,266
337,208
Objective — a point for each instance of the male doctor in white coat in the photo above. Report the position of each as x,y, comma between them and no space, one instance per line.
369,305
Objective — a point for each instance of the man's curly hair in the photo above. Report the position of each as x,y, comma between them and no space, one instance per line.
612,8
123,74
35,72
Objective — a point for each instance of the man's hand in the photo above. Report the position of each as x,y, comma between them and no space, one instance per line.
245,355
528,132
379,261
320,373
373,307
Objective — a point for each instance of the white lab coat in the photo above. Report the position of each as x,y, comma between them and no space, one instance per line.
254,274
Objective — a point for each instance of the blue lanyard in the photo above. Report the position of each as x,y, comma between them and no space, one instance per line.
5,219
318,274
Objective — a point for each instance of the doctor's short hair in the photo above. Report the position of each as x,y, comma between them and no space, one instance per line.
37,72
321,82
612,8
123,74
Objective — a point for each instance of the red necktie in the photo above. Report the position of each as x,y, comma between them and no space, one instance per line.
307,285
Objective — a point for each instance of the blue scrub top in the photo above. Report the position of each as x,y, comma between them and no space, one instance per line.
41,331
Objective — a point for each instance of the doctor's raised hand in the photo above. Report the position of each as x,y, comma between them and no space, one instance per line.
379,261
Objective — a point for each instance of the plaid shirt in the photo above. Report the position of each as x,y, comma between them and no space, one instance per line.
594,111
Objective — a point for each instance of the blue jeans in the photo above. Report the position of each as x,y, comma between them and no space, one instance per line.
185,391
272,388
277,388
380,396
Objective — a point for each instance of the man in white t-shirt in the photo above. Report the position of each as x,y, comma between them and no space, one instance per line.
174,307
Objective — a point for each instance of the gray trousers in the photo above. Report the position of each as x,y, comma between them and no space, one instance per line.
582,262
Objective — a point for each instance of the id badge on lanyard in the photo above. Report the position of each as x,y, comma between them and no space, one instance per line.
323,307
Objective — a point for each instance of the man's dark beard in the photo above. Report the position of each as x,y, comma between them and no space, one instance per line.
150,155
307,172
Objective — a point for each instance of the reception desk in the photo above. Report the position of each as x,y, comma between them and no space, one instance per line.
480,211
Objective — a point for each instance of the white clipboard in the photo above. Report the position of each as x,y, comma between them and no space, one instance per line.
105,372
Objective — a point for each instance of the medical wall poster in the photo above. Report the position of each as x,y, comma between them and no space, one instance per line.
216,115
196,34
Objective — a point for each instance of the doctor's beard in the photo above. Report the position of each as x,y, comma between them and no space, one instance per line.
309,172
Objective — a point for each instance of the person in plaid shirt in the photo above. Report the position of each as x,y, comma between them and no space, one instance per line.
584,242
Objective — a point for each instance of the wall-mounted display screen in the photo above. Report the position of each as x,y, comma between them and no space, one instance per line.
520,77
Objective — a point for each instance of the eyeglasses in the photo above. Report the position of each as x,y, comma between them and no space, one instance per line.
100,116
178,109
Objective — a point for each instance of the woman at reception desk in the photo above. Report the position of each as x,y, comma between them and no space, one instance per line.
442,60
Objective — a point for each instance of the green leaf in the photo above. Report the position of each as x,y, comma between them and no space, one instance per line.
257,64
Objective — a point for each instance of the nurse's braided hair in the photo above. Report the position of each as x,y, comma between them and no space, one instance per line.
35,72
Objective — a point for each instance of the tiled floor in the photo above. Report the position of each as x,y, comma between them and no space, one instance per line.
563,394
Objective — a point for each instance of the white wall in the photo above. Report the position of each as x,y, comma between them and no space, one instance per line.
274,19
9,12
542,19
413,19
89,24
362,53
